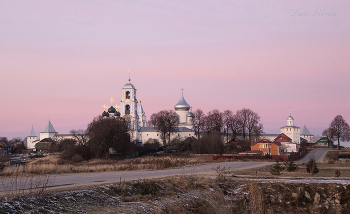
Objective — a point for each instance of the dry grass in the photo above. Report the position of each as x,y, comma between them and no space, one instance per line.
53,164
326,170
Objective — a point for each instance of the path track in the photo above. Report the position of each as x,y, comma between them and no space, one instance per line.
85,179
318,154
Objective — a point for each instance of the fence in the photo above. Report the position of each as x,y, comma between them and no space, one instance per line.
287,157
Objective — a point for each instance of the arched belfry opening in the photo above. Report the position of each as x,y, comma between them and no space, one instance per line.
127,109
127,95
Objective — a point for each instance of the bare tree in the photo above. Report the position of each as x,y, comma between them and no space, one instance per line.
166,123
248,122
198,122
80,136
214,121
338,129
231,124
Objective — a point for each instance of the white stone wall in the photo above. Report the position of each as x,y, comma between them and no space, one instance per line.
144,136
30,144
309,138
44,135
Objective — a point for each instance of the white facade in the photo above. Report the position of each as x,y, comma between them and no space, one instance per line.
293,132
31,139
305,133
48,131
147,133
290,147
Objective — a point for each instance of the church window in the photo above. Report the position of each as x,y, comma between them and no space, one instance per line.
127,109
157,134
147,134
127,95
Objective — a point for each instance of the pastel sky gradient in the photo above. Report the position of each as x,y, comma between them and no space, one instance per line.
64,60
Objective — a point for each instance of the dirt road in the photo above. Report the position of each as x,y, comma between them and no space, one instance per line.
318,154
85,179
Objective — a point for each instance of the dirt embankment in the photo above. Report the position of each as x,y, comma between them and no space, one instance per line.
189,194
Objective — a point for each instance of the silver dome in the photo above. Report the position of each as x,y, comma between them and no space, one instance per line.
190,114
182,105
129,86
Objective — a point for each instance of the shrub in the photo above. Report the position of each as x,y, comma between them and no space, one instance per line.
77,158
277,168
337,173
291,166
311,166
3,160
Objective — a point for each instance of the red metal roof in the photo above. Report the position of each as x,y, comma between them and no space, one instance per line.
282,138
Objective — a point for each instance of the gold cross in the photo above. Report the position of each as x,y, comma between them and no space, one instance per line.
182,89
117,107
104,106
112,100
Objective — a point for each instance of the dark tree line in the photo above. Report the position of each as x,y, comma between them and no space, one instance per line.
101,135
17,143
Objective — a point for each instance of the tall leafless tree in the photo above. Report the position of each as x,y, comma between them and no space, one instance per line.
214,121
231,124
166,123
198,122
248,122
338,129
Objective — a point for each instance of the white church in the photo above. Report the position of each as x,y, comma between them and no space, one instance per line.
293,132
132,111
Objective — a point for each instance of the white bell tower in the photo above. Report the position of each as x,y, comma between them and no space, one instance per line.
128,104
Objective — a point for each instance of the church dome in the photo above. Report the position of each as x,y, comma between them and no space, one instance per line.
290,117
182,105
129,86
117,113
190,114
111,109
175,114
104,114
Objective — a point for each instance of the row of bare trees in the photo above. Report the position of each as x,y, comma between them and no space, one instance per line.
165,122
244,122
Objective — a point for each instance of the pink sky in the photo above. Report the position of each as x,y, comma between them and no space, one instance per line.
64,60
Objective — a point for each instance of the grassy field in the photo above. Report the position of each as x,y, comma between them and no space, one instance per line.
54,164
325,170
